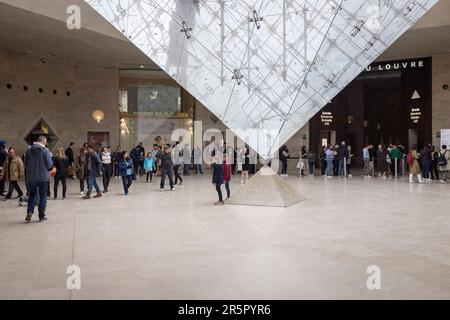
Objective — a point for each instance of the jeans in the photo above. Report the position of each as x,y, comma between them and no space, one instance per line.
227,187
198,169
311,166
186,169
341,167
127,181
284,167
176,168
35,189
92,183
149,175
219,191
116,169
56,185
107,172
169,173
82,184
14,185
426,168
329,170
323,168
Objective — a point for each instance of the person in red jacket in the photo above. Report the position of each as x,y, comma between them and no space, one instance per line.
226,168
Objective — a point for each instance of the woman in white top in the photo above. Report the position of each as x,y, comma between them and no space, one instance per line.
105,156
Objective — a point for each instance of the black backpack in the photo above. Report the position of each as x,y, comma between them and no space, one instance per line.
442,160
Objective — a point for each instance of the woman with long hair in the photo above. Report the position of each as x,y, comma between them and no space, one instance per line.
61,164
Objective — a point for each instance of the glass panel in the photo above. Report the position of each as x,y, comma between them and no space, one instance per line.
263,64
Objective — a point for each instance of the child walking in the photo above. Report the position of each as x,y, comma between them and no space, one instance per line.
149,166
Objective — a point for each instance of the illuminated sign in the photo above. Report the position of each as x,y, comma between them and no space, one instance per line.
326,117
399,65
416,114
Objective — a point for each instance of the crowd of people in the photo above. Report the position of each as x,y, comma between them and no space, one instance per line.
38,167
383,161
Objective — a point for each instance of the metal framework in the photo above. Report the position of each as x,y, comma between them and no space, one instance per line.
268,64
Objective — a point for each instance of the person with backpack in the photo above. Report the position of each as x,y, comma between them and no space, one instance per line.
414,166
443,162
38,164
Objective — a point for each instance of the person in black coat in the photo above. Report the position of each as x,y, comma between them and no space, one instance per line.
3,157
218,178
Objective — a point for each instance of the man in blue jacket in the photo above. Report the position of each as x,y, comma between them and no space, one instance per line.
38,163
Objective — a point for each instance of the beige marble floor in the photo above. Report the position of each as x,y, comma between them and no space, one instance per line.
176,245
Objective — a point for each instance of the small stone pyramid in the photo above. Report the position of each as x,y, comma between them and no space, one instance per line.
268,189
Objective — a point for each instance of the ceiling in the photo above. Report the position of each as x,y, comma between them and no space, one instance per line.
40,30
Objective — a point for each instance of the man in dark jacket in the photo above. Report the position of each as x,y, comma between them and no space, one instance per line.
166,167
95,170
38,163
342,157
3,157
71,158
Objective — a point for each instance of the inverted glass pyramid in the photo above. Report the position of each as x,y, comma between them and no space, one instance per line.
265,65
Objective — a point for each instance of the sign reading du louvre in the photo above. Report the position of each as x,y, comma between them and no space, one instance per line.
396,65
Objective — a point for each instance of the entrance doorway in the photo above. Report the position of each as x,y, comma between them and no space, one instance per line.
98,139
327,137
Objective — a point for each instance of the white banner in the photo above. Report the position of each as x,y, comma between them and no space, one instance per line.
445,137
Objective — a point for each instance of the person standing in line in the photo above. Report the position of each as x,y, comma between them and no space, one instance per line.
367,161
14,171
116,157
349,161
434,163
383,166
94,165
126,169
107,168
414,165
197,155
245,165
61,164
38,164
178,161
284,155
70,156
81,169
323,160
186,159
342,155
395,154
226,168
166,168
425,162
218,178
329,156
312,157
3,157
444,164
149,166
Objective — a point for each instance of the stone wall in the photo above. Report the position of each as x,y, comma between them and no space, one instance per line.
441,97
69,116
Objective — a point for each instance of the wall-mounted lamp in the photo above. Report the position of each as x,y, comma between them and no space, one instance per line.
98,115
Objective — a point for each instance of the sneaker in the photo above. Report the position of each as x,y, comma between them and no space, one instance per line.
181,183
172,189
82,193
28,218
64,198
443,181
161,190
43,219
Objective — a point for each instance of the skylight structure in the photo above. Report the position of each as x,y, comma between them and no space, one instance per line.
263,65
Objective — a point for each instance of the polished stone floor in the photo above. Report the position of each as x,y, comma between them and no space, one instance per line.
177,245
